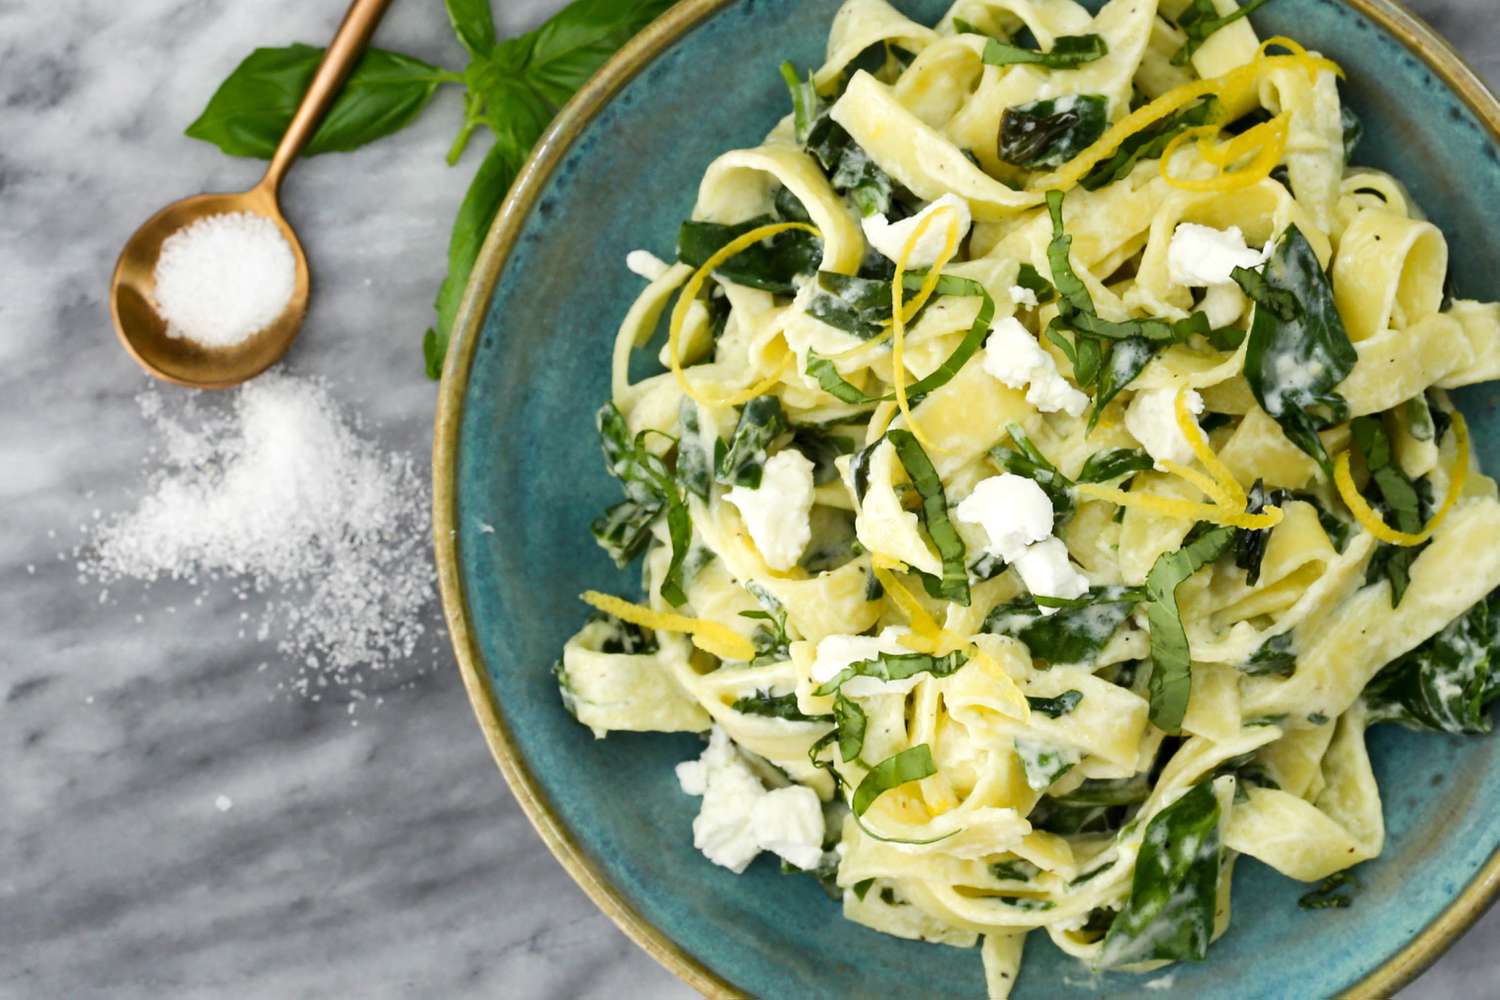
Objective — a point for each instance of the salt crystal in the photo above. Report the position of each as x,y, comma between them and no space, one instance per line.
224,278
223,803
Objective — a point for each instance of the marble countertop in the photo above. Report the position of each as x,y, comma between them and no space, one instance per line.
371,854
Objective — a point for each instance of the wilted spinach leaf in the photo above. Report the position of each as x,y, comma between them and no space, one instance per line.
1050,132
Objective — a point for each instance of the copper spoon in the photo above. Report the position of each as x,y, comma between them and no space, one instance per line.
141,328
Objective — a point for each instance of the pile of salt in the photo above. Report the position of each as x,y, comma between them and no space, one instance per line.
224,278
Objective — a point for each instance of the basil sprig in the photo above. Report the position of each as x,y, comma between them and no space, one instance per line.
1171,666
1170,912
1068,52
1201,19
954,585
1298,350
911,764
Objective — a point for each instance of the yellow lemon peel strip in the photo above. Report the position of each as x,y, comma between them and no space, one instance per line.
1370,520
689,294
1188,510
921,622
898,310
1266,140
1204,483
1187,425
711,637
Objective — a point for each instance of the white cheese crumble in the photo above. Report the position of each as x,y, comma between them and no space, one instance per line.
646,264
1013,511
777,513
835,652
890,238
1012,355
1151,418
1047,572
1201,256
739,818
788,822
1023,296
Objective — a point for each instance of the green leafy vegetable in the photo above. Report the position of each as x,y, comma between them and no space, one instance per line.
1171,667
1019,870
1273,657
833,383
1327,895
1250,543
252,108
849,168
1201,19
861,306
912,764
954,585
1395,498
1050,132
770,265
761,422
774,706
806,105
1030,278
1113,463
474,24
1170,913
624,529
1044,764
695,463
822,448
1068,52
648,483
851,722
772,645
896,667
1446,682
1353,128
1070,635
1056,708
1297,350
1148,144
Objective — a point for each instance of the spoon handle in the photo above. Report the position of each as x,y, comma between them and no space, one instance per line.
343,52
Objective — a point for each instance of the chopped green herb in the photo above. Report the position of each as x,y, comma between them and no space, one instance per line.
1201,20
1148,144
1171,665
851,722
1445,683
771,265
775,706
1074,634
1114,463
648,484
1055,708
1068,52
1043,763
896,667
761,422
1030,278
954,585
1327,895
1019,870
1395,496
1274,657
912,764
1027,460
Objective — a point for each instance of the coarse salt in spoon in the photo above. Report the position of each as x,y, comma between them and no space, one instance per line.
200,349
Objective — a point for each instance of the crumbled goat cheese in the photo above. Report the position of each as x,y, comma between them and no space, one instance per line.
1151,418
1201,255
890,238
1023,296
777,514
1047,572
788,822
646,264
1012,355
1013,511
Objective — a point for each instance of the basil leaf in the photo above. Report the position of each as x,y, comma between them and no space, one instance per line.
1044,764
761,422
822,449
1201,19
1446,682
774,706
806,105
770,265
896,667
624,529
1109,792
860,306
934,512
912,764
252,108
1250,543
1354,130
1055,708
1396,496
474,24
1050,132
571,46
647,482
1326,896
849,168
1027,460
978,331
833,383
1148,144
1273,657
1127,359
695,464
851,722
1071,635
1112,463
1068,52
1171,666
1075,295
1170,913
1298,350
1030,278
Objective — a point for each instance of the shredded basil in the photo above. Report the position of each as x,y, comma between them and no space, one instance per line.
1201,20
1030,278
1446,682
862,887
1055,708
771,265
896,667
775,706
806,105
1327,896
1171,666
1068,52
695,463
761,422
1109,792
912,764
1074,634
822,448
1273,657
1170,912
1250,543
1050,132
1298,351
858,306
1026,904
771,642
1114,463
1090,875
833,383
623,530
954,585
1019,870
852,723
1043,763
1395,496
849,168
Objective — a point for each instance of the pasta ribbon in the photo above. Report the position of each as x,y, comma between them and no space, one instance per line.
1267,141
689,294
711,637
1188,510
899,317
1371,521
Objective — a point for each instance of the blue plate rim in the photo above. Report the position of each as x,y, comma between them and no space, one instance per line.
1390,16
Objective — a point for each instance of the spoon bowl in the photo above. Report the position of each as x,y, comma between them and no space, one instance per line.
142,329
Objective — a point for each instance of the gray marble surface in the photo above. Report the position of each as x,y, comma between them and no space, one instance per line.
378,854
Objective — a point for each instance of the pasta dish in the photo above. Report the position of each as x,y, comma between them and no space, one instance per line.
1049,479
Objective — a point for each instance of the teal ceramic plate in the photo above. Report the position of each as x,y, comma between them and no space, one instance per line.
516,450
